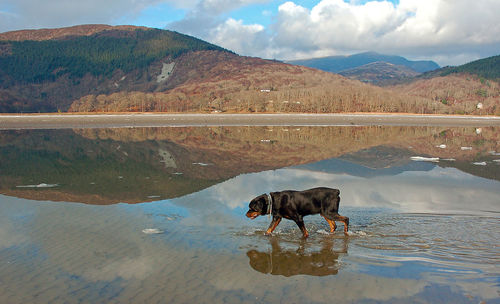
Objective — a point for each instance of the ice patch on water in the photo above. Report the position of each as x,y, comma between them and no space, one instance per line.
421,158
152,231
202,164
42,185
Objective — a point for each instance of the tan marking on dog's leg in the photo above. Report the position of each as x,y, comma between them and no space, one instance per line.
305,234
331,223
273,226
345,220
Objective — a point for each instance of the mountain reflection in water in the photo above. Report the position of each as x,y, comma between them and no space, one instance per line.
132,165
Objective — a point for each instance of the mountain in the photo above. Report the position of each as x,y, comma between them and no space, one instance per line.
102,68
379,73
46,70
336,64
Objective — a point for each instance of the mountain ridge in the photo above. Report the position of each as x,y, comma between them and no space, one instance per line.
337,64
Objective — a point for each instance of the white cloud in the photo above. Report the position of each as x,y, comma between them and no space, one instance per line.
450,32
209,17
431,27
229,35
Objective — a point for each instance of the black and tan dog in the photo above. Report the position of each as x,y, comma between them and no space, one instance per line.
294,205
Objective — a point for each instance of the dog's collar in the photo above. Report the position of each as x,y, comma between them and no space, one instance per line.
270,205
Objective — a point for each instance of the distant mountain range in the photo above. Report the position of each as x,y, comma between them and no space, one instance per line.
338,64
102,68
370,67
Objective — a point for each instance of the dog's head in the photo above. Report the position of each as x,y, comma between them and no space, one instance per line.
258,206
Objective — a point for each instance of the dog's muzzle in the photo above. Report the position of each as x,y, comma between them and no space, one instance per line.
252,214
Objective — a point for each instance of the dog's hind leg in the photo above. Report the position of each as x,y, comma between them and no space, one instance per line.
332,224
343,219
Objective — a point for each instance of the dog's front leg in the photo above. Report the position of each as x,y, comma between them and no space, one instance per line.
302,227
276,220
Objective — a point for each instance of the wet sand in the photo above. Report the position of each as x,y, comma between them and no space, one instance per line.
62,121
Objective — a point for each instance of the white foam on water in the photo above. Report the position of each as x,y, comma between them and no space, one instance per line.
322,231
152,231
357,233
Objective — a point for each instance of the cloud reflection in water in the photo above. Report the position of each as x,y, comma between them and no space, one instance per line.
440,190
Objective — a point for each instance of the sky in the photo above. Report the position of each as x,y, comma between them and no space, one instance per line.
450,32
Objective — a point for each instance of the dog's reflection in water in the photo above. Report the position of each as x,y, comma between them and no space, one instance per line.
294,262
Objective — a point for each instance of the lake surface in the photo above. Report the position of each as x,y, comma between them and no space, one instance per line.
157,215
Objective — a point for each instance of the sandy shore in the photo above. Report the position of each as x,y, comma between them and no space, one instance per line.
61,121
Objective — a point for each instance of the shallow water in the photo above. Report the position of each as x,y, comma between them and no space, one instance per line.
158,215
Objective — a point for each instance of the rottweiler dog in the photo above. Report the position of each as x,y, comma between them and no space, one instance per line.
294,205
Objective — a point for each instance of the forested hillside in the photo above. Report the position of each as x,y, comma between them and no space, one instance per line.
488,68
101,54
47,70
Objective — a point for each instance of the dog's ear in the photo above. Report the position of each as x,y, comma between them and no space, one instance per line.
263,203
259,204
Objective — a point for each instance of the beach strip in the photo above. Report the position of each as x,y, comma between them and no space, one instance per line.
77,121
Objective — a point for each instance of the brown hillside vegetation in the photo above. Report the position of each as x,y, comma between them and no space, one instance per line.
220,81
461,93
